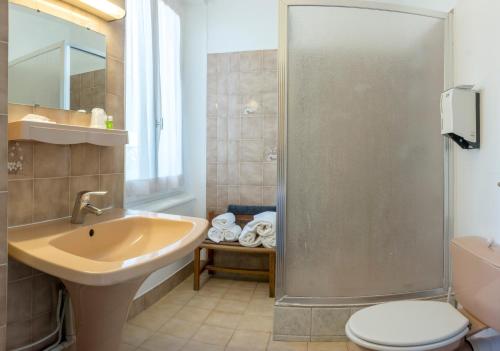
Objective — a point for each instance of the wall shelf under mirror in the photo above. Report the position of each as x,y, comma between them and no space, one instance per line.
65,134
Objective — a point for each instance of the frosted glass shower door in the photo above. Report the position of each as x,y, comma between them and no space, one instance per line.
365,159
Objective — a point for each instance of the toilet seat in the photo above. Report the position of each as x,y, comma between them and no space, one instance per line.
407,325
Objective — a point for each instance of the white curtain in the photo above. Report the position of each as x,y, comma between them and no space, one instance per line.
153,100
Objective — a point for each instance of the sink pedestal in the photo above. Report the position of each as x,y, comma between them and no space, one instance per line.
100,313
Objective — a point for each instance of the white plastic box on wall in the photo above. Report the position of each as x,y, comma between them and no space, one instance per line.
460,116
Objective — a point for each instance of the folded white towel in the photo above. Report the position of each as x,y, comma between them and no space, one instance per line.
216,235
249,237
37,118
224,221
261,229
233,233
269,241
267,223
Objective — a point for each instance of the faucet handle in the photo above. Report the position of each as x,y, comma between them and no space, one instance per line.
85,194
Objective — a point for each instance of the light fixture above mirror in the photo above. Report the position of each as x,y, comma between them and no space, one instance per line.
109,10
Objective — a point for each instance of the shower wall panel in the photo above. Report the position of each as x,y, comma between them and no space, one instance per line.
365,161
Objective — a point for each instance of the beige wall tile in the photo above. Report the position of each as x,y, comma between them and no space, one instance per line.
18,334
115,39
112,160
3,153
233,174
233,151
212,128
233,195
270,60
4,21
3,235
222,105
250,83
251,173
223,63
251,61
221,128
251,150
3,77
84,159
234,128
234,106
51,207
19,301
270,173
51,160
251,127
211,196
222,174
270,128
20,208
234,61
251,195
22,149
115,77
3,295
113,184
269,195
292,321
17,112
59,116
18,270
79,118
270,103
45,294
211,174
222,199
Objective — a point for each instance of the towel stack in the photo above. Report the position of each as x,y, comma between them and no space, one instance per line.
260,231
224,228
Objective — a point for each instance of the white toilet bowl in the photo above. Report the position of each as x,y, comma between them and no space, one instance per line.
408,326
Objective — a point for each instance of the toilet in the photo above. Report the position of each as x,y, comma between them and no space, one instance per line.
417,325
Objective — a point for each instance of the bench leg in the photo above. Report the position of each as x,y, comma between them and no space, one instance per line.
197,268
210,260
272,274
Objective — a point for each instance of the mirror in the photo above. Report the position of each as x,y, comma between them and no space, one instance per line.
54,63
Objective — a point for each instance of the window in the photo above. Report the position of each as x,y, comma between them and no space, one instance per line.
153,100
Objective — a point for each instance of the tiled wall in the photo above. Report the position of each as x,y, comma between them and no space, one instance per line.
88,90
242,129
51,175
3,169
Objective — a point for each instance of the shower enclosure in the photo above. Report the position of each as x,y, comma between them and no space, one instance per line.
364,173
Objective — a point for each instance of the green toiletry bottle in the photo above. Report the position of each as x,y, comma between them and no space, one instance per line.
109,122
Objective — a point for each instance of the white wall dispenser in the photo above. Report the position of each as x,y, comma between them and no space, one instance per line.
460,116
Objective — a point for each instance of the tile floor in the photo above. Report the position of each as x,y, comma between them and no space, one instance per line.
223,315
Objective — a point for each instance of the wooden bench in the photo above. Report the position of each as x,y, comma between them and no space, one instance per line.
211,247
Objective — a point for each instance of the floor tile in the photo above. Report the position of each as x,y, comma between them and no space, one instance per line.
243,295
192,314
180,297
134,335
160,342
154,318
248,340
223,319
207,303
213,335
231,306
256,323
179,328
127,347
199,346
327,346
286,346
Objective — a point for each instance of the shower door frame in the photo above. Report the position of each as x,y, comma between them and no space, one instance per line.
282,299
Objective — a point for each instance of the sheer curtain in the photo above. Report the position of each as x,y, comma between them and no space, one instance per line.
153,100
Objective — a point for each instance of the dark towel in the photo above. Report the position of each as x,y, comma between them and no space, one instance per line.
249,210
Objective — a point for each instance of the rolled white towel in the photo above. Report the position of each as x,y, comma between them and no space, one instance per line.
224,221
269,241
250,238
233,233
215,234
266,223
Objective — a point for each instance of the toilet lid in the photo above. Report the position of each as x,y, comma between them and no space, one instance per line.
407,323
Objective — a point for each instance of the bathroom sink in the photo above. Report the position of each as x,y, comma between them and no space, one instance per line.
104,262
115,247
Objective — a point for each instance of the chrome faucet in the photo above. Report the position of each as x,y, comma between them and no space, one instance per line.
83,205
